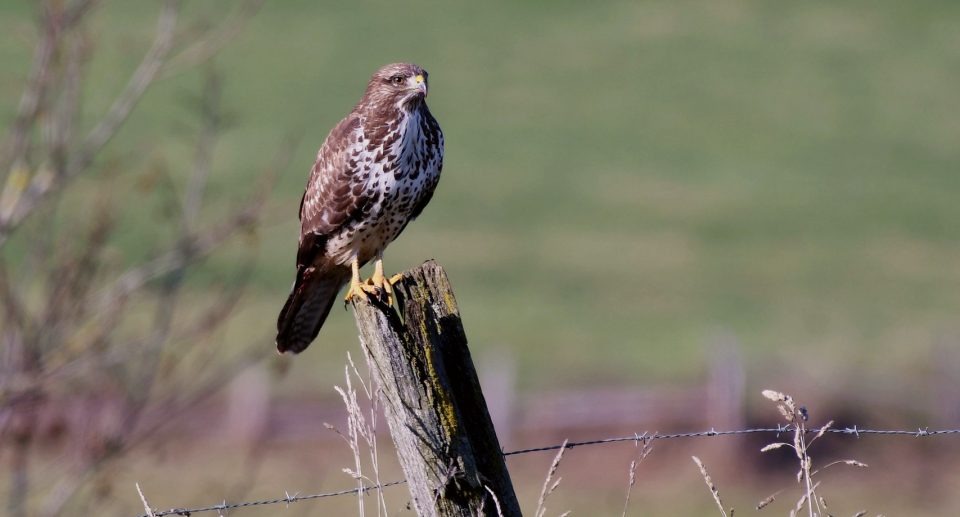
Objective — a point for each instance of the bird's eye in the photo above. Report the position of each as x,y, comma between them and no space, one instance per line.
397,80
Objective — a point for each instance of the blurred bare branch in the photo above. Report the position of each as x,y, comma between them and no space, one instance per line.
55,20
198,245
203,156
13,306
110,351
141,79
212,41
26,193
24,188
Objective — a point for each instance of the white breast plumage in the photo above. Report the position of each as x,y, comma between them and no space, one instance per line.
398,173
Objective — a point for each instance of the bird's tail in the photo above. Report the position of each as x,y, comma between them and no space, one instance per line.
307,307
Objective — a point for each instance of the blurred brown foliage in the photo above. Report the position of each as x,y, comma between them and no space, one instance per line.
94,354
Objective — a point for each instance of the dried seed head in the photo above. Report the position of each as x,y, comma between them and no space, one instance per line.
825,428
787,413
800,502
763,504
775,396
713,488
773,446
788,401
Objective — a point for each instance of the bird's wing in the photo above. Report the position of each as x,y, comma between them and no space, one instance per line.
335,194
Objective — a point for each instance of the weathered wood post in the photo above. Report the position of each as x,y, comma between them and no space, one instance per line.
438,418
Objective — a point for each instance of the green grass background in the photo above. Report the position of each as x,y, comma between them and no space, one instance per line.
623,180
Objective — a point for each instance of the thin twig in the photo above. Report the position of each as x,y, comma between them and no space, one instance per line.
43,182
146,506
141,79
29,106
212,41
202,243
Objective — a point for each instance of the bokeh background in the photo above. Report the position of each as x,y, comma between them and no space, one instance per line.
637,198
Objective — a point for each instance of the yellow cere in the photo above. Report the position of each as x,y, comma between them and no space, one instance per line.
418,78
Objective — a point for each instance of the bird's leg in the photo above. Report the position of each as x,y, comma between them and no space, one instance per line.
377,285
379,281
357,288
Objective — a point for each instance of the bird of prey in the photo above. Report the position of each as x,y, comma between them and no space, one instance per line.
374,173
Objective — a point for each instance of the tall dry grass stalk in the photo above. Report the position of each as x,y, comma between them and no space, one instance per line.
714,491
645,451
549,484
796,417
361,435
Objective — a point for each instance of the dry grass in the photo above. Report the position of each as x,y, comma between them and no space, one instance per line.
714,491
810,499
361,435
642,455
797,417
549,485
496,501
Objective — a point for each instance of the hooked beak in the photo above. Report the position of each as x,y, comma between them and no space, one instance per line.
421,84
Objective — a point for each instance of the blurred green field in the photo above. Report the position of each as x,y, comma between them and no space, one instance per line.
623,180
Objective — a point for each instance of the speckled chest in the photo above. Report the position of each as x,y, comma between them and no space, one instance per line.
397,173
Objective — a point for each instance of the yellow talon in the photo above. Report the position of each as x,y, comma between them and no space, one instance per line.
377,285
380,282
356,289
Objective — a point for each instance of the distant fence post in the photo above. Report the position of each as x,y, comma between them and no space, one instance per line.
438,418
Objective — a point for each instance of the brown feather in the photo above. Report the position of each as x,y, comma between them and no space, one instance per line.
313,295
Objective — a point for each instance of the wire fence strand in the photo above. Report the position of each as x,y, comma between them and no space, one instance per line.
645,437
287,499
637,437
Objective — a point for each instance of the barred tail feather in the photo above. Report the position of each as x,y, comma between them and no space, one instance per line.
307,307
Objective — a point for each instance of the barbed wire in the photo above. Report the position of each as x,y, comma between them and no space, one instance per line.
780,429
645,437
287,499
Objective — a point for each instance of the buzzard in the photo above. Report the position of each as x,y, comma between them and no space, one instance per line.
374,173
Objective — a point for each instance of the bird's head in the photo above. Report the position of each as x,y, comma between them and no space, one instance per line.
400,85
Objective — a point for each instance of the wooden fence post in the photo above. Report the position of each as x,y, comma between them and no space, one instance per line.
438,418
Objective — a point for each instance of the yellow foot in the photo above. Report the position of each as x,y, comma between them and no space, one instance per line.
363,290
380,286
382,291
